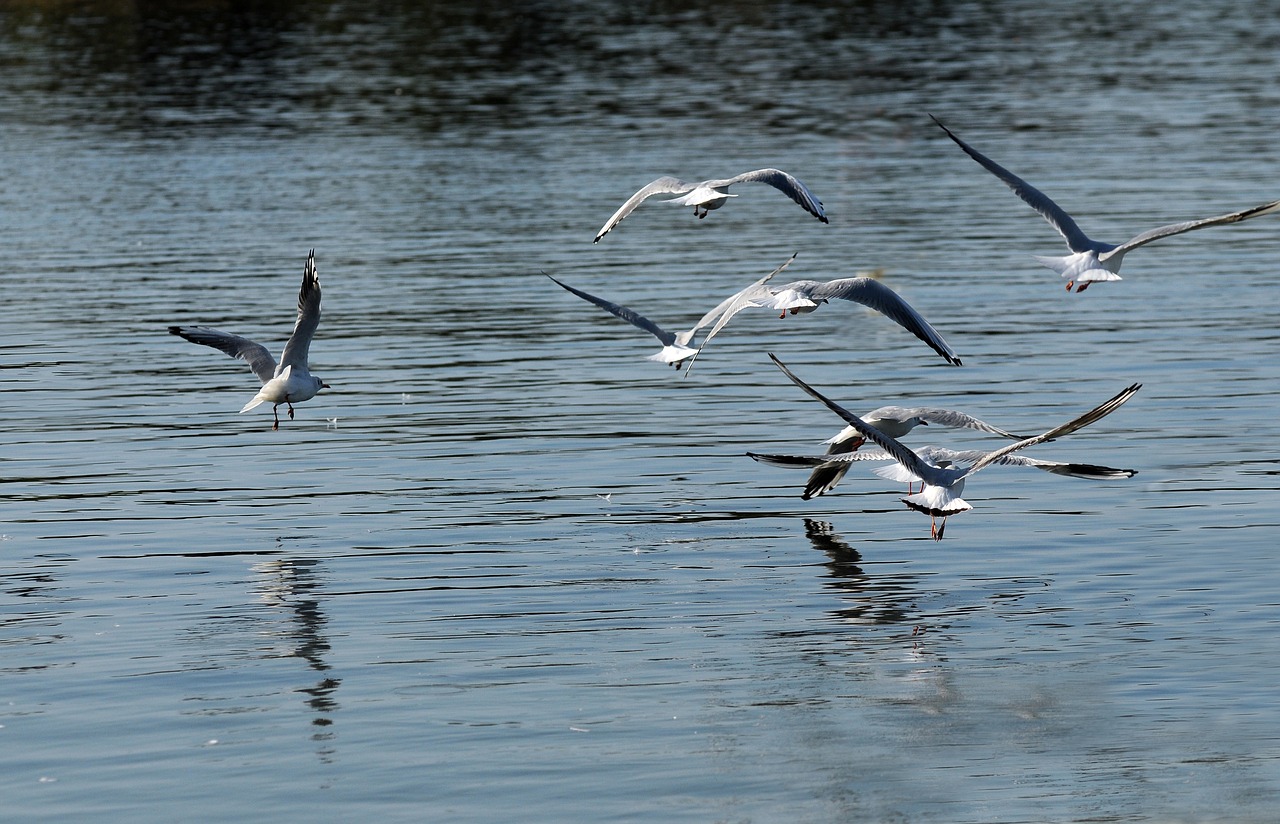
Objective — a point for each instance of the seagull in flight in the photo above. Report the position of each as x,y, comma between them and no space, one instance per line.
1091,260
290,381
943,479
804,296
712,194
894,421
675,346
937,455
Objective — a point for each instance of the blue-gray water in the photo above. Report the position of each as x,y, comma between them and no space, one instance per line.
509,570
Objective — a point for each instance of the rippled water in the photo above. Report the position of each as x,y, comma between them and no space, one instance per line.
507,568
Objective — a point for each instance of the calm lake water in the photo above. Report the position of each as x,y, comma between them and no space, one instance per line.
506,569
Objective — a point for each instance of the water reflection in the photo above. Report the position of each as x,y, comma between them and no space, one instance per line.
881,599
288,584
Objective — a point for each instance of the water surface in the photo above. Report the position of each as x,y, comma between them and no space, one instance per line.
509,569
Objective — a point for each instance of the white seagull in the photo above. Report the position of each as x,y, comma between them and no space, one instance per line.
804,296
936,455
290,381
894,421
944,480
1091,260
675,346
712,194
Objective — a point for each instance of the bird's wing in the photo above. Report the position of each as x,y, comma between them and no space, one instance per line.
663,185
733,300
1077,240
255,354
630,316
1092,416
783,182
296,350
942,417
909,459
1187,226
875,295
727,308
1071,470
838,459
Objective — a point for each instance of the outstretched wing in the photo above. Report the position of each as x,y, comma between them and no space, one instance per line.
1071,470
842,458
663,185
783,182
1092,416
875,295
1187,226
896,450
299,345
255,354
729,307
629,315
941,417
1077,240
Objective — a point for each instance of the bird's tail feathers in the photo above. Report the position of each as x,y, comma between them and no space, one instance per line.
937,501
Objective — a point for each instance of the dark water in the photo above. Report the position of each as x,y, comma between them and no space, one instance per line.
506,569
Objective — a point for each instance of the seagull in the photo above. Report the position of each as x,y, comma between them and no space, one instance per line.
804,296
943,479
894,421
290,381
1091,260
712,194
675,346
936,455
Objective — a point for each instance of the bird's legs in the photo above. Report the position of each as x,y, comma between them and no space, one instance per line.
1079,288
286,403
275,426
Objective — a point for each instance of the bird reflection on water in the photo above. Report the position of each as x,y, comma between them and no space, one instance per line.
289,584
882,599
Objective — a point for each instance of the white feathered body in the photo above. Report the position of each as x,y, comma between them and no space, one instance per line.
292,384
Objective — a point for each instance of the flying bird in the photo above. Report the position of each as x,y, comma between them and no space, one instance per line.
894,421
1091,260
804,296
290,381
712,194
943,479
675,346
937,455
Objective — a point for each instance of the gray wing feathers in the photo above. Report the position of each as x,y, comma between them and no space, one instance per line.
1071,470
783,182
630,316
942,417
299,345
894,448
1187,226
734,304
255,354
875,295
1077,240
839,459
1092,416
663,185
